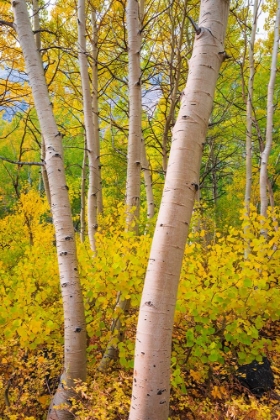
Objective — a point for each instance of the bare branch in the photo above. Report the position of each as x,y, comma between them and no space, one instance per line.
5,23
195,26
21,163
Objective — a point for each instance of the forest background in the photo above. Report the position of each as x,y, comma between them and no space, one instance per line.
227,309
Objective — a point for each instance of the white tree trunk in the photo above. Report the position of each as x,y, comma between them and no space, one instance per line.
83,195
269,123
249,110
134,11
36,26
249,126
175,78
146,168
151,382
74,319
89,126
135,109
95,108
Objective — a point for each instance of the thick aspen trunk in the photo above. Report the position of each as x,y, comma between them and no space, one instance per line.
93,155
151,382
269,124
74,319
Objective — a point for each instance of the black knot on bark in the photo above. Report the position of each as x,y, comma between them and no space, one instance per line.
78,329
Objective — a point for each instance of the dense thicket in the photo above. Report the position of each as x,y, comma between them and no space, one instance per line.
227,310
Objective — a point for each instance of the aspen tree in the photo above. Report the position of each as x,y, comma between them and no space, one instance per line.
95,111
145,165
249,123
135,110
269,122
175,54
151,381
133,178
74,318
36,26
92,150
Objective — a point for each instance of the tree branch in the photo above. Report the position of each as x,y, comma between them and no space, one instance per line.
22,163
5,23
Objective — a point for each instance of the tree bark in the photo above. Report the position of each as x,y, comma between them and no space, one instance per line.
135,110
146,168
269,123
151,381
92,149
133,180
83,195
74,318
95,108
249,125
36,26
174,78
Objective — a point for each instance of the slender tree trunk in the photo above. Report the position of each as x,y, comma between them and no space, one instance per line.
174,94
133,159
95,108
44,172
135,110
269,125
83,195
250,110
74,318
146,168
151,381
249,125
89,126
36,26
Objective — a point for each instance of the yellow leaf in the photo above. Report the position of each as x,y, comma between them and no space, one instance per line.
216,393
195,375
44,400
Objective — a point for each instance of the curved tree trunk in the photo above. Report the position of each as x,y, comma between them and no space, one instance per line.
151,382
74,319
269,124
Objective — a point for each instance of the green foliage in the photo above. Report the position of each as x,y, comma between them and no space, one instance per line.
224,301
226,306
